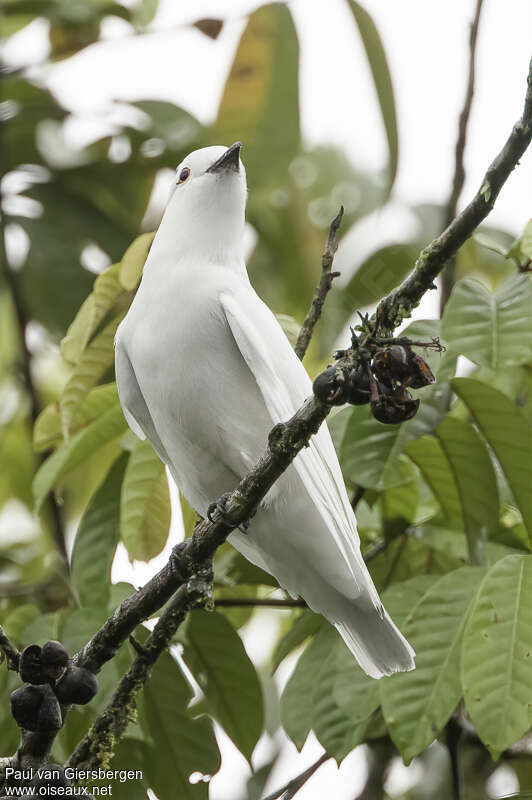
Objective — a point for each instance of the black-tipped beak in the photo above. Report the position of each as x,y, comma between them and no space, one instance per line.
229,161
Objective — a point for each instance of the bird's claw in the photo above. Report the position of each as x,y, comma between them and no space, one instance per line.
217,512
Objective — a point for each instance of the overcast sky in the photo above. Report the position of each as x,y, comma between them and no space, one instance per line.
426,44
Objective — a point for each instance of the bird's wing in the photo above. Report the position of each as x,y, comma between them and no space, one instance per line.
132,401
284,385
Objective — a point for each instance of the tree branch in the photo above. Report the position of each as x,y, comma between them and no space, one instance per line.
9,650
111,724
287,439
399,304
292,787
322,289
448,274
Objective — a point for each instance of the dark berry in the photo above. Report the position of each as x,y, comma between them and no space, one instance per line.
35,708
330,387
30,668
358,389
78,685
54,659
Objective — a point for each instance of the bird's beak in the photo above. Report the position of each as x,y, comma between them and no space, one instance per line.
229,161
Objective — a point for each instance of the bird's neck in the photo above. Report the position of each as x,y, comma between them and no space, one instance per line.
177,242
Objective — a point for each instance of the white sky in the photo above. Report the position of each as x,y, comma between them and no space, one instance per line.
426,45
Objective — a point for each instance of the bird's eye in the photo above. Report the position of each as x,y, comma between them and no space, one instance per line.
183,175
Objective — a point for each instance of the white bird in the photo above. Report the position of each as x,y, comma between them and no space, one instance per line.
204,371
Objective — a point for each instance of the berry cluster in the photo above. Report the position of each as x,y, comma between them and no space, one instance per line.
51,680
383,381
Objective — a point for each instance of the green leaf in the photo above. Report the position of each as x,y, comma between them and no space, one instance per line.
133,261
189,744
306,624
96,540
496,654
145,504
216,657
508,434
417,704
93,364
382,79
475,481
86,442
296,700
378,275
368,451
428,455
47,432
338,731
493,329
408,557
105,293
354,692
398,506
260,102
526,240
144,12
190,517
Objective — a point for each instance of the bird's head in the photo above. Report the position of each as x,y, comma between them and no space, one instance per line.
206,209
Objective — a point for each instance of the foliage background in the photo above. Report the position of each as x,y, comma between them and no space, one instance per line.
429,486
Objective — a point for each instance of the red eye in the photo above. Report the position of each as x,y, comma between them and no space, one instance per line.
183,175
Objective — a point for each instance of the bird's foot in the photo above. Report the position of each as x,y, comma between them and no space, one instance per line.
217,512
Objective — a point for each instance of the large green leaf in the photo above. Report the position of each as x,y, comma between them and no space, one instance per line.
145,504
417,704
508,434
93,364
427,453
496,654
493,329
296,700
133,261
329,693
368,451
377,276
86,442
47,432
96,540
383,82
398,506
105,293
260,103
216,657
306,624
336,729
409,556
189,744
473,474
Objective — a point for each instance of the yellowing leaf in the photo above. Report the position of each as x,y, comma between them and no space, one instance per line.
144,504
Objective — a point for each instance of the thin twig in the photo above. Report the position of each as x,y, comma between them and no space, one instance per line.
286,440
259,602
322,289
292,787
398,305
448,274
9,650
453,735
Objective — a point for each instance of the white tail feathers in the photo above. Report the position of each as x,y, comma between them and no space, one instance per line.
375,641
